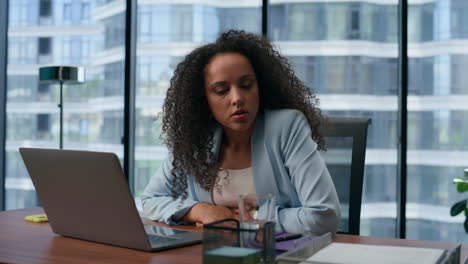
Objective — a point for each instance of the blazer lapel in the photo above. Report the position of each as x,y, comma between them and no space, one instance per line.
262,168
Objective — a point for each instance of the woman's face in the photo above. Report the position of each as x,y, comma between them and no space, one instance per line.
231,90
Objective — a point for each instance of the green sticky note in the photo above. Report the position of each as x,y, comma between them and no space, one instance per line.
232,255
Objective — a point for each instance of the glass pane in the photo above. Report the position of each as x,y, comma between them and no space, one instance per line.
438,116
347,53
166,33
86,33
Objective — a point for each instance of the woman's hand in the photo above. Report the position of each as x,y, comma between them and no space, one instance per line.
250,213
204,213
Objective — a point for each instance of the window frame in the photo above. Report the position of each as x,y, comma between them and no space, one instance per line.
3,94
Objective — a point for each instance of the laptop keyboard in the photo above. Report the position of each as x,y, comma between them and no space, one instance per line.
154,239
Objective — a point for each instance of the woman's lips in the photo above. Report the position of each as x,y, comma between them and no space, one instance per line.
240,116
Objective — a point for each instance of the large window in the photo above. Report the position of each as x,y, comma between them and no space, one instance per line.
93,115
335,49
437,138
345,51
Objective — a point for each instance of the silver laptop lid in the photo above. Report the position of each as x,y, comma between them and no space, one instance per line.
85,195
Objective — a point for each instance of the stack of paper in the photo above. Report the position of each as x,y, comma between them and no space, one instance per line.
363,254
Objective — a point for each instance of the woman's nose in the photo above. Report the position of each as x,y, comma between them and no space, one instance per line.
237,97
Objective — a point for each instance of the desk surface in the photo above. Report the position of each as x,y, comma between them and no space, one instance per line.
25,242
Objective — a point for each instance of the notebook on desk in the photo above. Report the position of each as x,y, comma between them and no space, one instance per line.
86,196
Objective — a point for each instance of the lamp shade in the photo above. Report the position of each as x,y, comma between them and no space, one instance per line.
64,74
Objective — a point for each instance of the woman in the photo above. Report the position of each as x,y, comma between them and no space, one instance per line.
237,120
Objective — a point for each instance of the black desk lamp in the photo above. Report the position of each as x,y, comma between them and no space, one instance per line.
61,75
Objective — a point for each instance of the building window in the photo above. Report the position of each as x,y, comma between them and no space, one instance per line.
45,8
44,46
43,88
83,127
67,12
43,122
354,22
85,11
114,32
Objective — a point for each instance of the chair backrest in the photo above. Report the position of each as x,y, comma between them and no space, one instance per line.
345,141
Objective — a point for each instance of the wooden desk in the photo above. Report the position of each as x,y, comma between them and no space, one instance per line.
25,242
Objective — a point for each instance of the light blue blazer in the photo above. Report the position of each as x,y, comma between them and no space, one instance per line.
285,162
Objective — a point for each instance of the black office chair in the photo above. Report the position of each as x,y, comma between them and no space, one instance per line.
345,141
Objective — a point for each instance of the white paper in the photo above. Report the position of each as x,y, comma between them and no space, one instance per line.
363,254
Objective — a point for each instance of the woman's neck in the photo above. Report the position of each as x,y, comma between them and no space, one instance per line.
236,152
238,141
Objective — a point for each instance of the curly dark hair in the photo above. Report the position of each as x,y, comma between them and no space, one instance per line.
187,123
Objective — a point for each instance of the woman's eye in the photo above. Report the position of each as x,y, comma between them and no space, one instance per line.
221,92
246,85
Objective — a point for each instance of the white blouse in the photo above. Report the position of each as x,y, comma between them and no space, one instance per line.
231,183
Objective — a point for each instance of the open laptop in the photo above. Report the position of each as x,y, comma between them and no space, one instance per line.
85,195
